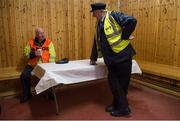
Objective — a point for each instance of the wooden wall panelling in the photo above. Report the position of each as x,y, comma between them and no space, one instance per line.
5,39
156,34
2,5
177,38
69,24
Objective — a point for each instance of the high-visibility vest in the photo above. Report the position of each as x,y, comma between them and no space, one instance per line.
113,34
45,52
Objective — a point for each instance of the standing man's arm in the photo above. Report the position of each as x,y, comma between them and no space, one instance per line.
94,54
127,23
52,53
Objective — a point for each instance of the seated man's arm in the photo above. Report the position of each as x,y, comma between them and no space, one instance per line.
52,52
28,52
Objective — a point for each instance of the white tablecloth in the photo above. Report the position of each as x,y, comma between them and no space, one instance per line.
51,74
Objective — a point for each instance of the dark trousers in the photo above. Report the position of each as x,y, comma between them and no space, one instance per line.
26,80
119,77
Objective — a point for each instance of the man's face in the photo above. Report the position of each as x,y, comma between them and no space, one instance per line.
97,14
40,34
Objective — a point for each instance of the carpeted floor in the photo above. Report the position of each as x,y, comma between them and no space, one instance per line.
88,101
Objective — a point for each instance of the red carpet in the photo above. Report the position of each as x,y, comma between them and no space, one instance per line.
89,101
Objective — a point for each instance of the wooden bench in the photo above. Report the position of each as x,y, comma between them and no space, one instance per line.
9,73
10,76
160,70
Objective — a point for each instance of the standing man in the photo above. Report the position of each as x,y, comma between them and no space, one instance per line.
37,50
112,41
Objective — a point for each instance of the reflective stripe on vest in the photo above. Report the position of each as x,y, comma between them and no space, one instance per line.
45,52
116,31
113,34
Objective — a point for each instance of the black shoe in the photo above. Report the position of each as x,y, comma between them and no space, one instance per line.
129,110
25,98
110,108
122,112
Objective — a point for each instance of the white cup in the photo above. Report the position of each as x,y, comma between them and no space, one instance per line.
38,52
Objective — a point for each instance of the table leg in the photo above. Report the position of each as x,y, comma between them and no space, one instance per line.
55,100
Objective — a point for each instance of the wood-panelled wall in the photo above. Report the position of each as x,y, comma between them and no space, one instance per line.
157,37
68,23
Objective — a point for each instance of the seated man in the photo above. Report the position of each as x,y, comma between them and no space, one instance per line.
37,50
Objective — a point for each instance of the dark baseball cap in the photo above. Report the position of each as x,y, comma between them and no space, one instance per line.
98,6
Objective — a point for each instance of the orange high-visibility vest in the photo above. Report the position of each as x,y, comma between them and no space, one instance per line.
45,52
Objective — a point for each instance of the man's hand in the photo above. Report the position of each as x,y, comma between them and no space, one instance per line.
92,62
131,37
32,54
38,52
